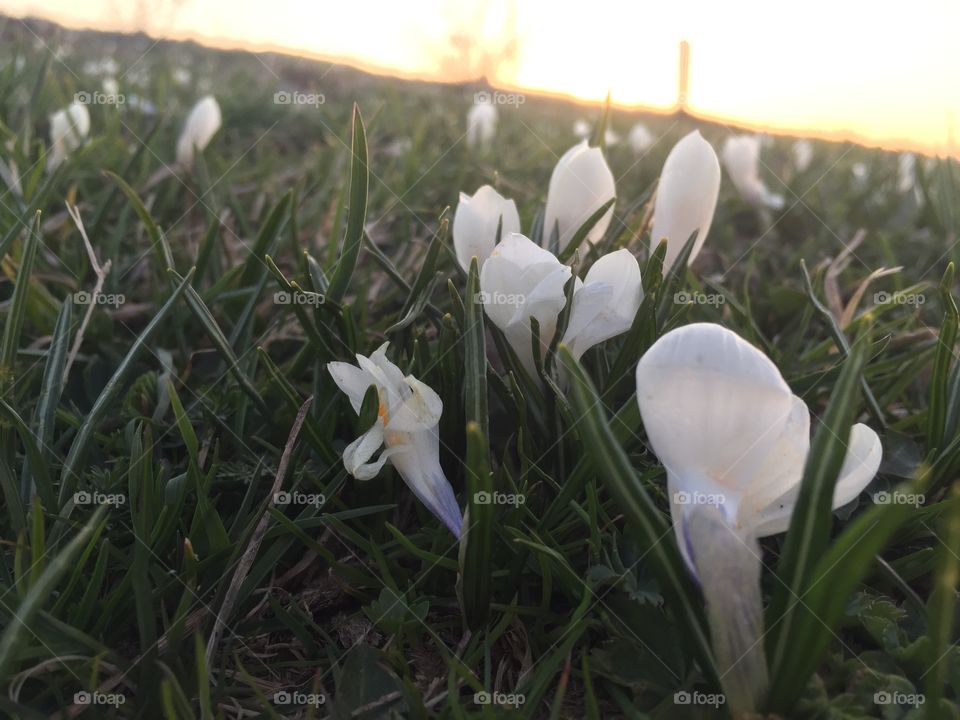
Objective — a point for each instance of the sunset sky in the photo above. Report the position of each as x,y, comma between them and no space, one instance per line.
885,72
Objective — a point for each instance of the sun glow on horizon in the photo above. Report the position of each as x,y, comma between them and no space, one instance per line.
866,71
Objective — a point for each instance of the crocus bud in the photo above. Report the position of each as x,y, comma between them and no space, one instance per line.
686,197
201,125
640,138
481,125
580,185
802,152
68,129
741,159
475,224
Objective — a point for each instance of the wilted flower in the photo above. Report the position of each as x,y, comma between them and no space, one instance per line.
580,185
406,424
734,440
802,151
68,129
475,224
481,125
640,138
521,280
686,197
201,125
741,158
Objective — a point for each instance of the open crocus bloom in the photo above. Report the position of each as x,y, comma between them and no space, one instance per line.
481,125
198,130
475,224
407,420
68,129
686,197
741,158
730,433
521,280
580,185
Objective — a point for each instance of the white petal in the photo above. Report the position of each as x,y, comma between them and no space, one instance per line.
581,183
544,302
198,130
357,454
606,304
686,197
481,125
353,381
741,159
712,404
418,462
640,138
516,266
420,410
475,224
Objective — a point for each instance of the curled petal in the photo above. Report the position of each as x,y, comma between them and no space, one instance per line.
357,454
353,381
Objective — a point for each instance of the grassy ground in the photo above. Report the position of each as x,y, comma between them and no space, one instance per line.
184,393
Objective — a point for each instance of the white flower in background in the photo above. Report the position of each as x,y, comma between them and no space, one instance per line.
610,138
734,440
906,172
861,173
724,423
104,67
475,224
110,86
802,152
741,159
68,129
580,185
686,197
407,420
182,76
640,138
140,104
481,125
201,125
581,129
521,280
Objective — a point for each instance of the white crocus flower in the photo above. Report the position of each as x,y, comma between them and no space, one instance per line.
201,125
640,138
581,129
407,420
481,125
741,159
68,129
521,280
802,151
906,172
580,185
686,197
734,440
475,224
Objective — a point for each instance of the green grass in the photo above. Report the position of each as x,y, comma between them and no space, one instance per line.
197,596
